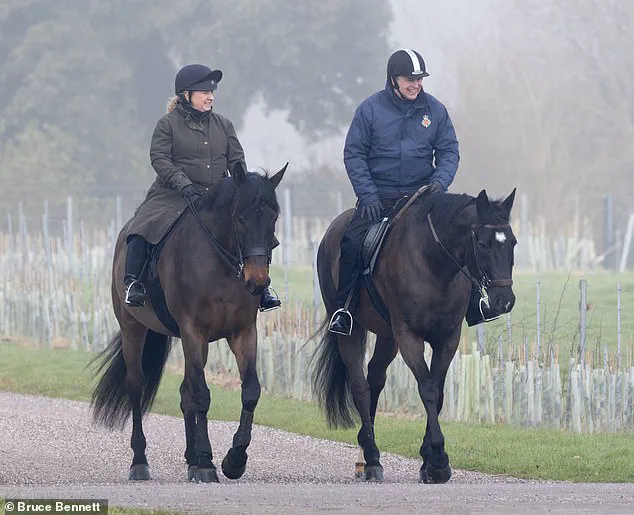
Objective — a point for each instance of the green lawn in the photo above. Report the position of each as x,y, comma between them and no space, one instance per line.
559,308
488,448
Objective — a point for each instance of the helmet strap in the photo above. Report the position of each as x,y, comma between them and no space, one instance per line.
395,88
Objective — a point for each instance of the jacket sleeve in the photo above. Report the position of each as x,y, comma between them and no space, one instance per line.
161,157
235,152
355,156
446,153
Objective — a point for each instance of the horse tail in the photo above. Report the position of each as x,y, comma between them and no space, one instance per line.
330,379
110,398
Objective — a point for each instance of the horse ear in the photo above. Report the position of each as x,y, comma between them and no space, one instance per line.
482,203
277,178
238,173
508,201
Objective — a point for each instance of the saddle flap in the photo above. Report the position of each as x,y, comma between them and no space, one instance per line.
371,245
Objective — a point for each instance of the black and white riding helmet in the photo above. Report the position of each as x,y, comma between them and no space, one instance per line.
406,62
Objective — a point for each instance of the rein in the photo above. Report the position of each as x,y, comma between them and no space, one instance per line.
235,263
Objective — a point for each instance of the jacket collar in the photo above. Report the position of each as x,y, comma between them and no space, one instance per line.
406,106
191,114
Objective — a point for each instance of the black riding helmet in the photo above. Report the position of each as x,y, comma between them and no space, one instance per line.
196,77
406,62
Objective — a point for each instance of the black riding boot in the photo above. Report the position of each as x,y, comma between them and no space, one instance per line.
478,311
341,321
135,294
268,301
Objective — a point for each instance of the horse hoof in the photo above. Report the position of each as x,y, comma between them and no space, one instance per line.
373,473
139,472
358,471
205,475
432,475
191,472
230,471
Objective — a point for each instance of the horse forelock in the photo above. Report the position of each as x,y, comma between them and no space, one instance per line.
497,213
256,190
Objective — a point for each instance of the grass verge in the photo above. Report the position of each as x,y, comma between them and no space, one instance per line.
496,449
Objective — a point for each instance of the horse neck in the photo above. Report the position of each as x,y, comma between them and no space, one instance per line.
454,241
219,223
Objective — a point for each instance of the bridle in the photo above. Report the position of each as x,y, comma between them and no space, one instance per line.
235,263
484,280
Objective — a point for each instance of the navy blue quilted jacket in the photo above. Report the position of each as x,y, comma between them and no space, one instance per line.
394,147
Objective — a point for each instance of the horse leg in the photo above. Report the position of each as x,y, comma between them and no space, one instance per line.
440,361
412,349
133,339
189,416
385,351
244,347
352,351
195,400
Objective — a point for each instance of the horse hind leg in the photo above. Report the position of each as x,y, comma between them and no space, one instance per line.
133,336
352,350
385,351
244,347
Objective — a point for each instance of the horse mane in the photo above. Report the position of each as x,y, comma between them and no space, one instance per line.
445,207
256,187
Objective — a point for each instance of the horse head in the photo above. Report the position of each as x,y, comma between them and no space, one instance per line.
493,243
254,215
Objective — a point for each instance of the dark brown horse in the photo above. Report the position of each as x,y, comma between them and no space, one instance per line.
424,276
212,268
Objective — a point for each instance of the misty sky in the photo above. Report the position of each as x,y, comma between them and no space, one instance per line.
269,140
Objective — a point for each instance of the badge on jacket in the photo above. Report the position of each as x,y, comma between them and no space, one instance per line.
426,121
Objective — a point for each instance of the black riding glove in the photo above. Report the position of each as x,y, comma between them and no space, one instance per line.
372,211
191,195
435,187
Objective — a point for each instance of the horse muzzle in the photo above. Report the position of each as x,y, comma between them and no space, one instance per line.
501,300
256,274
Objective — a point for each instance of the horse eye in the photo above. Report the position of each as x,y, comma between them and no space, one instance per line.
242,220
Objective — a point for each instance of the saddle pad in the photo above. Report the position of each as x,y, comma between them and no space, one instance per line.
153,284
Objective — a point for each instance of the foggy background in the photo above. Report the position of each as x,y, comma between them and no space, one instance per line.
540,95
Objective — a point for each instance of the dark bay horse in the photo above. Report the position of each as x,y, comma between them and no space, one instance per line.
424,276
213,268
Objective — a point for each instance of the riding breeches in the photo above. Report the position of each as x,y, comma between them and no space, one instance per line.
350,247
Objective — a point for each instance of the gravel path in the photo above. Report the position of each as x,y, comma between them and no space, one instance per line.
49,449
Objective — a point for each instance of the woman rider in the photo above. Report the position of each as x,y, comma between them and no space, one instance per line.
192,148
